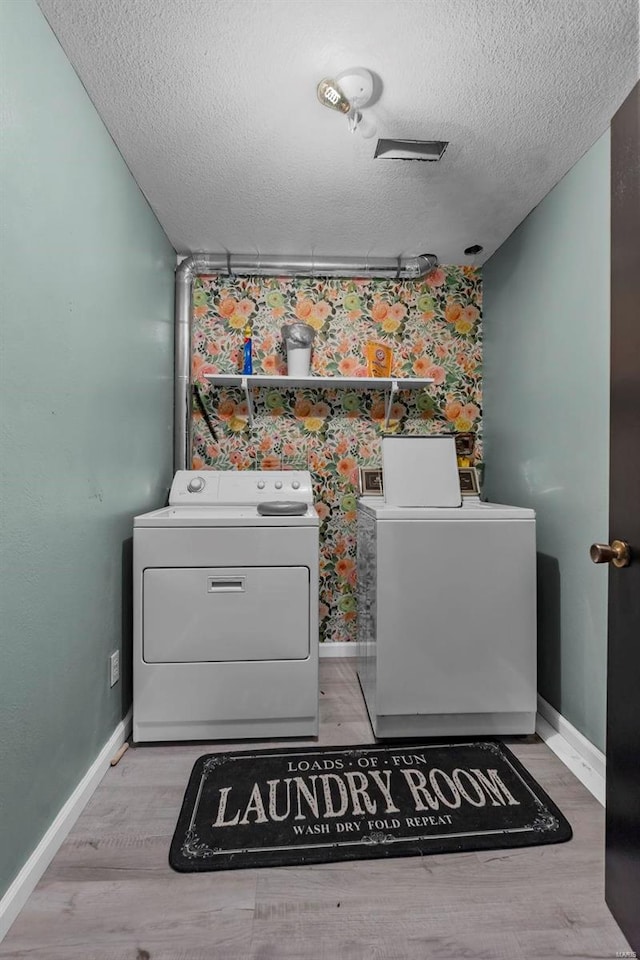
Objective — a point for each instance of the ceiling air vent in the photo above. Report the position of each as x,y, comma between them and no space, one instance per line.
410,149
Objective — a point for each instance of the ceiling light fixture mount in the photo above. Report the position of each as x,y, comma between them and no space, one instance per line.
349,93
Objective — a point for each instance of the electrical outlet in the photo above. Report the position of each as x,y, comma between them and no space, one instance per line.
114,668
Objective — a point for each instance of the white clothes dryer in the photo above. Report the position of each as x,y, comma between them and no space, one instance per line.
226,609
447,618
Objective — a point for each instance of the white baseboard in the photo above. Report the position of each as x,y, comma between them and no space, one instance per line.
18,893
576,752
339,649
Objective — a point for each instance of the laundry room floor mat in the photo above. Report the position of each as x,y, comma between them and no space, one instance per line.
265,808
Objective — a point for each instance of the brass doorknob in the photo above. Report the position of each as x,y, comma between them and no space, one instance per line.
617,553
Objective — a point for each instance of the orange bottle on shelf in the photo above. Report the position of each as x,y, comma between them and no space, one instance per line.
379,359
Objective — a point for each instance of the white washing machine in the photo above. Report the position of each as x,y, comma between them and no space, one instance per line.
447,618
226,609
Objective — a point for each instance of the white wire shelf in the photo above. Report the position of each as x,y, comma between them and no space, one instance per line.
390,385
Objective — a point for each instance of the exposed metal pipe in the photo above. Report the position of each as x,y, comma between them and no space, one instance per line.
186,273
401,268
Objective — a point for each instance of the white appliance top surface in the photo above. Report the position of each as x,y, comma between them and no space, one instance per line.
211,498
470,510
224,516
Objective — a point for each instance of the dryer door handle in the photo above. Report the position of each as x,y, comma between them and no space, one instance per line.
225,584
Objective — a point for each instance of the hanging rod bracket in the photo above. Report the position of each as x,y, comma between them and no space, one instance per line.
391,392
244,384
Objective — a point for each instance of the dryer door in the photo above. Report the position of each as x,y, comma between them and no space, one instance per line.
210,614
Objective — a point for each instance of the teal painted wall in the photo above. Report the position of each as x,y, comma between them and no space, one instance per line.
546,421
85,427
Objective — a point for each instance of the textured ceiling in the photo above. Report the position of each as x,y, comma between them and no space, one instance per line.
212,104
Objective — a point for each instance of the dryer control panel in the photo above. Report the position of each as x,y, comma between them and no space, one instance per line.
220,487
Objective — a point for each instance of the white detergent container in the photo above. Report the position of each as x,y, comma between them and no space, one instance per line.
298,338
421,471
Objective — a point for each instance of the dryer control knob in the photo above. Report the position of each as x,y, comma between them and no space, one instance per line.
295,484
278,484
196,485
260,484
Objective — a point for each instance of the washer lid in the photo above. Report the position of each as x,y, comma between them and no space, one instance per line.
476,510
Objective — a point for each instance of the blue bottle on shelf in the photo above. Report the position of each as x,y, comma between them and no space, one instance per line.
247,366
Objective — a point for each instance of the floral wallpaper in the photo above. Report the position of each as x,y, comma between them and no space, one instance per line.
434,329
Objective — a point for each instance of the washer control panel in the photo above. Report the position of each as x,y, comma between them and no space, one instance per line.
218,487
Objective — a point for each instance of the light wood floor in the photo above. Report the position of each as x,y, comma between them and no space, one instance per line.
109,894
